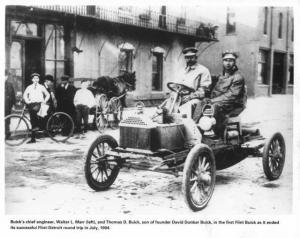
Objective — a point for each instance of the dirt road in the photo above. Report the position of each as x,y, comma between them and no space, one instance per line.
47,178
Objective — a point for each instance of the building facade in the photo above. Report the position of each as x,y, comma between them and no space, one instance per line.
263,38
92,41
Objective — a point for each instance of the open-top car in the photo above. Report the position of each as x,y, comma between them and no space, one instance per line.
171,142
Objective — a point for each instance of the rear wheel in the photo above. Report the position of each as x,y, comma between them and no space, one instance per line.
60,127
16,130
199,176
274,156
100,169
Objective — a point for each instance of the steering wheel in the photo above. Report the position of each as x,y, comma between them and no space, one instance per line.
180,88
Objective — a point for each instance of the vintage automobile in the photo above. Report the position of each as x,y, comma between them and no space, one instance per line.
173,143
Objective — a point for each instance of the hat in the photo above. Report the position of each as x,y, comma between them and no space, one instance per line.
35,74
189,51
49,77
65,78
229,54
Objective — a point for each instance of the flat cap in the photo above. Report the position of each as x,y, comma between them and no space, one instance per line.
35,74
229,54
189,51
65,78
49,77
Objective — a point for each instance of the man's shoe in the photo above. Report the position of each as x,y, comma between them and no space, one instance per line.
31,141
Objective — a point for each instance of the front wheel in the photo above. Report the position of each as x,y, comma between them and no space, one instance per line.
199,176
60,127
100,169
274,156
16,130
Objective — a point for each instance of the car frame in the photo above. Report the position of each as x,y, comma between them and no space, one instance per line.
181,147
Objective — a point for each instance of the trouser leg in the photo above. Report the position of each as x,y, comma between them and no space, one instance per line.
78,117
85,115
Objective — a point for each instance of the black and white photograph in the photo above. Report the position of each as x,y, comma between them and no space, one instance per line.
183,113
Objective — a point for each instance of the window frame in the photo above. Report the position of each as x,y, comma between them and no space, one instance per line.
264,65
159,71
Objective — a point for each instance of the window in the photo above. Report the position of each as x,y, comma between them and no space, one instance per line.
230,22
263,67
16,65
280,26
55,50
291,70
266,13
157,71
23,28
162,18
125,60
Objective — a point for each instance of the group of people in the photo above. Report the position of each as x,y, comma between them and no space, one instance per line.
226,92
64,98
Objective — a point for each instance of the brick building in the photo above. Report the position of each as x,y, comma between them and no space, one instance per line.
93,41
263,37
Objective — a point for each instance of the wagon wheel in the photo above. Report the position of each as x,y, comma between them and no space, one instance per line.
199,176
116,111
274,156
100,113
100,169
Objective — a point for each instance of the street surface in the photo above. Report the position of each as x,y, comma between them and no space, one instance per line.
47,178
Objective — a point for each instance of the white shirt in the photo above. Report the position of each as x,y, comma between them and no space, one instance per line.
36,93
84,97
196,76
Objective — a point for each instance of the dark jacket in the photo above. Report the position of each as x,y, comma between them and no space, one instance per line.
65,98
10,97
230,89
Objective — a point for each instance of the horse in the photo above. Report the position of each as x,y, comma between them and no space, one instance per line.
115,87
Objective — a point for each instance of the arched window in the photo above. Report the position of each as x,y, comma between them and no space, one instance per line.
125,57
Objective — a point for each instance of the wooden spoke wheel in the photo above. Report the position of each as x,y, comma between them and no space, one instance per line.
274,156
100,169
199,177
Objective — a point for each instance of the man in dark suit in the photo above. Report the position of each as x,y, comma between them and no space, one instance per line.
65,93
10,100
52,102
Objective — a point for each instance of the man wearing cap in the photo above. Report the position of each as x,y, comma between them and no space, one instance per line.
229,94
34,95
65,93
197,77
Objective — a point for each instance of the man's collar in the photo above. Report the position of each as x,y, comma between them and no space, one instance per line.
192,67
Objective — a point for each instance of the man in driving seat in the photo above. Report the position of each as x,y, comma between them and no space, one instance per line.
229,95
197,77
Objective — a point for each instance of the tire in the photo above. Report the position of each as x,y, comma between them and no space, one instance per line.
101,171
60,127
274,156
17,131
199,182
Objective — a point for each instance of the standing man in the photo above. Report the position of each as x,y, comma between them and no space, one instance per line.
65,96
10,100
83,101
34,95
229,95
197,77
52,103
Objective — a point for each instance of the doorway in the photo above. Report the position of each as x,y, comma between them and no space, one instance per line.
33,59
278,74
